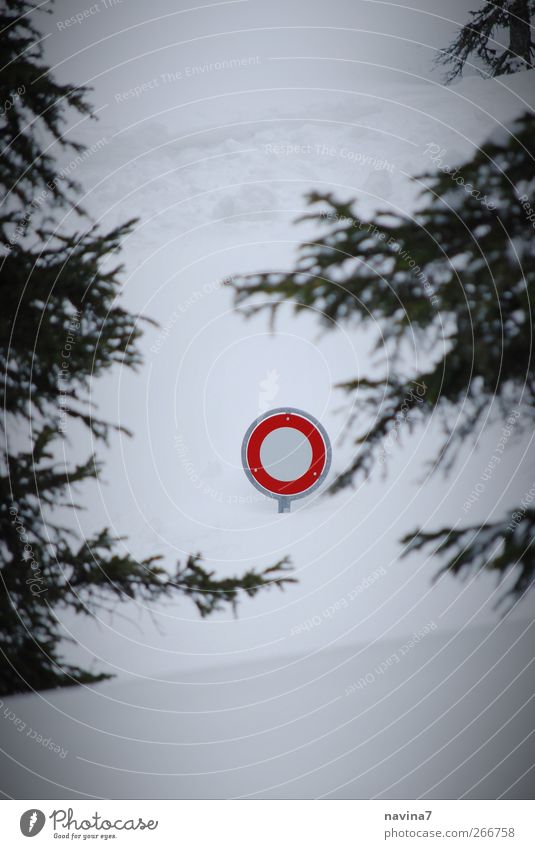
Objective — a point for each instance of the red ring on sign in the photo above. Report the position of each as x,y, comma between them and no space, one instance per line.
317,444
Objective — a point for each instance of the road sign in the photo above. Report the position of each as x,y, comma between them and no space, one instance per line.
286,454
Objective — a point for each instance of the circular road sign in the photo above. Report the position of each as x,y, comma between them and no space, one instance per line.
286,454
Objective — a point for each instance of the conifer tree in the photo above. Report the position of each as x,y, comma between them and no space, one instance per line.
499,34
56,284
458,278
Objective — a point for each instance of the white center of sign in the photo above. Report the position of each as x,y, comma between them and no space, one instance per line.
286,454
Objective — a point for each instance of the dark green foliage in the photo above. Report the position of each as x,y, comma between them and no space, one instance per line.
460,276
38,105
57,286
495,546
209,595
481,37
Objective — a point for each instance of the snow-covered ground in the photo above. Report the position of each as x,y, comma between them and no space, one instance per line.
216,165
433,716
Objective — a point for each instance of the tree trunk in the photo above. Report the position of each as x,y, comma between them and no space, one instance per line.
519,31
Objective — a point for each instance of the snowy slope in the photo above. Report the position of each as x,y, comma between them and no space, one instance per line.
434,716
257,706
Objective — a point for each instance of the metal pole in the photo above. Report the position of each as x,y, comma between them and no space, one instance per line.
284,504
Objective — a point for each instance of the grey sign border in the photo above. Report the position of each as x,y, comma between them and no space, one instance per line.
285,500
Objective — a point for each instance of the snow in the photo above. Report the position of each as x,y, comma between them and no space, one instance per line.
431,716
257,706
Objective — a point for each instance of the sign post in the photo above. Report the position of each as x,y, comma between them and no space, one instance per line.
286,454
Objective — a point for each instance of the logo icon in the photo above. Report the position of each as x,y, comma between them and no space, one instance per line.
31,822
